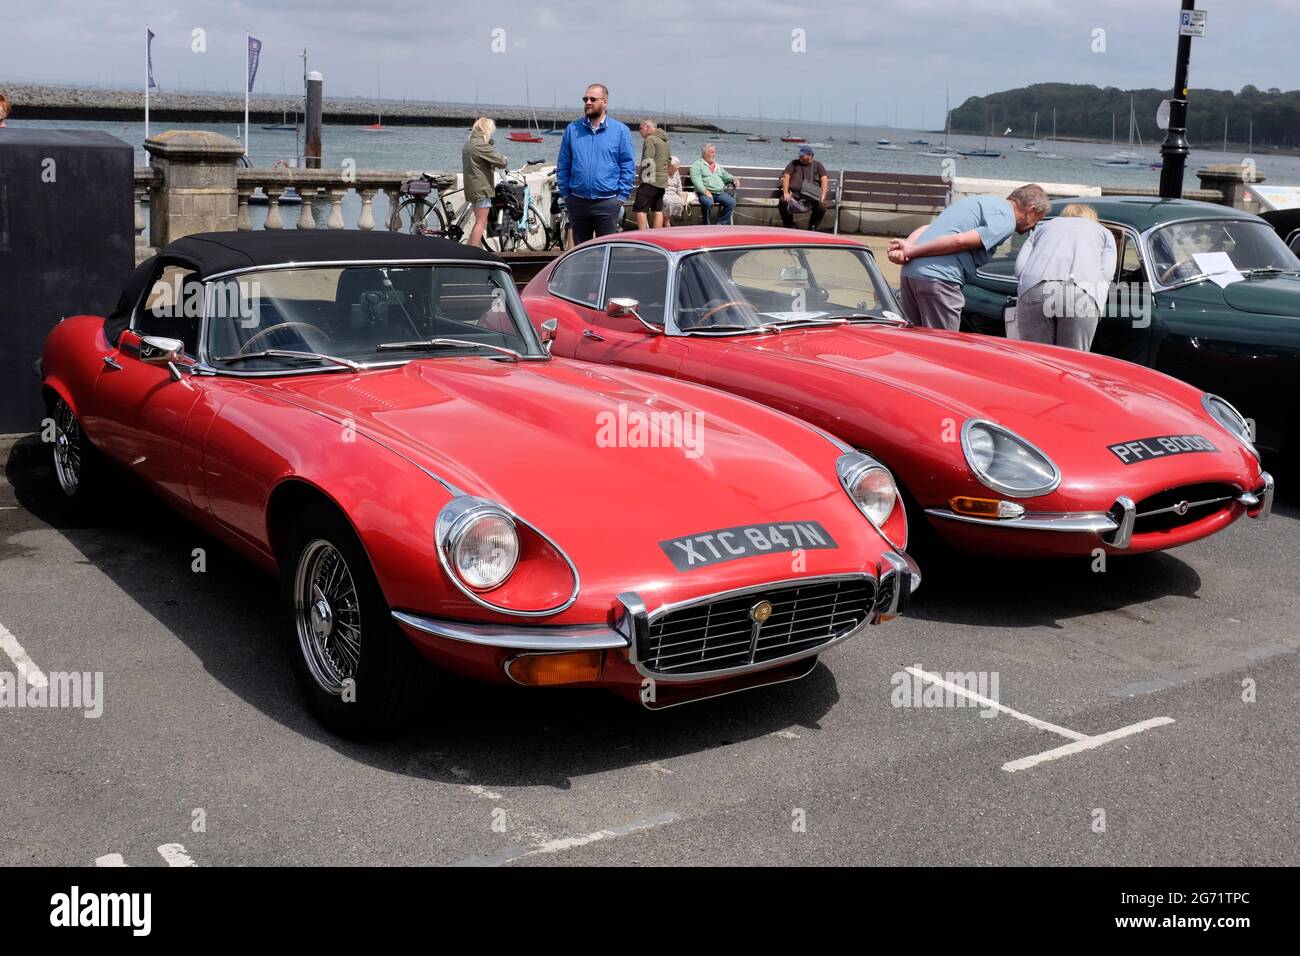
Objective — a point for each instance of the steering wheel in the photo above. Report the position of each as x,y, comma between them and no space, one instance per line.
730,304
246,347
1169,273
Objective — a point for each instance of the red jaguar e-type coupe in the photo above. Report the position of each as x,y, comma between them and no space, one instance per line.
1002,447
371,416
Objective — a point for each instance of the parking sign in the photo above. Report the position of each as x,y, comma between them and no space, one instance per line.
1191,23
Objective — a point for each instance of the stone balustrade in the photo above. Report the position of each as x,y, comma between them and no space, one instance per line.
321,192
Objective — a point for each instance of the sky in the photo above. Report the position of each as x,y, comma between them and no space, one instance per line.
889,58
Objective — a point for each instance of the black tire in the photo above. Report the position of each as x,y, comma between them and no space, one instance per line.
79,471
535,239
422,217
389,677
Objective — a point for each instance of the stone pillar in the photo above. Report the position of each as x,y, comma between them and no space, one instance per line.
1233,180
195,187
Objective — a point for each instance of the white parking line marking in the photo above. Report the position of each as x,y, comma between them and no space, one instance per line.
26,666
1088,743
110,859
1081,742
511,854
477,789
175,855
989,702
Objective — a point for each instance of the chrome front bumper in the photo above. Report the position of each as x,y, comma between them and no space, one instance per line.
896,579
1115,527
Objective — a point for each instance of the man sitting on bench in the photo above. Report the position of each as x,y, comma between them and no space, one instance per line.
803,189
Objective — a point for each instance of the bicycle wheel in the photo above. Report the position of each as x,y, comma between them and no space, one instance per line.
422,217
534,237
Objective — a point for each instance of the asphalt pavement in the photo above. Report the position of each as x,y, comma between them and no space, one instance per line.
1146,714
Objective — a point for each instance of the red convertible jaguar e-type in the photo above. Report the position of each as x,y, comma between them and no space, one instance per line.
371,416
1002,447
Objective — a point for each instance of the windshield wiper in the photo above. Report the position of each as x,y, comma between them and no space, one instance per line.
805,323
1278,270
431,344
710,329
289,353
870,317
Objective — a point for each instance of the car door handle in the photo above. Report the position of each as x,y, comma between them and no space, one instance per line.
108,360
588,334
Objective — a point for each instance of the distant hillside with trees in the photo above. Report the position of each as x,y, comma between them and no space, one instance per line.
1085,112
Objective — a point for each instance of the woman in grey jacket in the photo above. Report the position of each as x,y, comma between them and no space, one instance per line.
1063,272
478,160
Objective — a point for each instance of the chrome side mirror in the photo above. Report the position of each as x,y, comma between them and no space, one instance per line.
548,330
156,350
620,307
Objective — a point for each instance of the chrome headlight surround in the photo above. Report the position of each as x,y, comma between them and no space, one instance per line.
854,468
971,434
456,521
1229,419
457,515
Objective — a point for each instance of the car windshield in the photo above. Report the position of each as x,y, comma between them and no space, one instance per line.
740,290
337,317
1185,251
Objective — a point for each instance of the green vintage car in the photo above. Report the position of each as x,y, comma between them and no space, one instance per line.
1240,340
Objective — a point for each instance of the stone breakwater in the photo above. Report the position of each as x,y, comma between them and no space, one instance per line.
35,101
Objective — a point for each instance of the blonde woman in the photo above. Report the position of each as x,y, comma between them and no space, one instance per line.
1064,270
478,161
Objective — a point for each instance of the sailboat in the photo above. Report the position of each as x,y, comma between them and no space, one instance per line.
1124,157
1032,145
791,138
534,133
984,153
945,149
1042,155
378,125
854,140
759,137
284,123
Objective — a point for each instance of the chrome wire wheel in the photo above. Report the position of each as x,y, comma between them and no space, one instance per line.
67,448
327,616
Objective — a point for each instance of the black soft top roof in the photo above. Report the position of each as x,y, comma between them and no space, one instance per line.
215,252
212,253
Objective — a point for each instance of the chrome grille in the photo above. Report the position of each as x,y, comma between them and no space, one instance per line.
1201,500
720,633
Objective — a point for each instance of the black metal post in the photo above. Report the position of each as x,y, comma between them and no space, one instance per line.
1174,150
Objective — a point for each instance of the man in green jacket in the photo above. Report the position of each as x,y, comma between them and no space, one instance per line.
654,175
710,181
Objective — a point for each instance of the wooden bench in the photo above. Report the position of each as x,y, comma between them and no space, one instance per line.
892,192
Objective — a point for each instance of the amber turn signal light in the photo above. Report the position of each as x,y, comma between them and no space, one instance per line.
992,508
546,670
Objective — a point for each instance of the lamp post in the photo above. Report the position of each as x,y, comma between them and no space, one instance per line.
1174,150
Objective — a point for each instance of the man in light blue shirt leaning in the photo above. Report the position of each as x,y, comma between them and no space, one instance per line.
596,168
938,258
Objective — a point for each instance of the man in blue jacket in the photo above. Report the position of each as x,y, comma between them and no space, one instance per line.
596,168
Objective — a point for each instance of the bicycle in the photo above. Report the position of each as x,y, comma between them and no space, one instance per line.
515,220
423,215
558,229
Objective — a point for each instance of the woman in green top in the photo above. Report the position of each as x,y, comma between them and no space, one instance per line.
478,160
710,181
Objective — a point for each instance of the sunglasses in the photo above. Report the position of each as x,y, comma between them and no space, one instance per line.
591,99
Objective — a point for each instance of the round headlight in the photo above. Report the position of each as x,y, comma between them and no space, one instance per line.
870,485
484,550
1223,412
1006,462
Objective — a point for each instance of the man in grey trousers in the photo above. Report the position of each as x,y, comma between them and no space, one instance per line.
937,258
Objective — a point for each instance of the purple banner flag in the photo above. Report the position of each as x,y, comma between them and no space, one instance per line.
148,46
254,53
